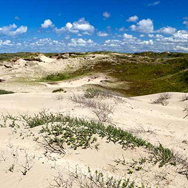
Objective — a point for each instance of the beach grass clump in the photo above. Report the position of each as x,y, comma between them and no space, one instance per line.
63,131
92,179
162,99
58,90
91,93
56,77
3,92
60,76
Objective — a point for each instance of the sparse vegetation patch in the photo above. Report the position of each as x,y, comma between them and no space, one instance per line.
3,92
62,131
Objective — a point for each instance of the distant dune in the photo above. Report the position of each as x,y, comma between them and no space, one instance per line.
94,120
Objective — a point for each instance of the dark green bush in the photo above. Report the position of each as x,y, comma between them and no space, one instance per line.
3,92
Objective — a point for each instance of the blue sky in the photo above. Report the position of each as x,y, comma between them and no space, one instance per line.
93,25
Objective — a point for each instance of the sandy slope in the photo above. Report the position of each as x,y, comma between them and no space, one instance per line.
155,123
152,122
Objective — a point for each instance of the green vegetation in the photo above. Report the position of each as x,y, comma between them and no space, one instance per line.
3,92
24,55
139,73
146,73
60,76
56,77
92,180
62,131
91,93
58,90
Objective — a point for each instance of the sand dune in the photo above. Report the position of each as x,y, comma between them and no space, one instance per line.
155,123
26,162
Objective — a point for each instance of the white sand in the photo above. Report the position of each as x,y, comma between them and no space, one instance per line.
155,123
152,122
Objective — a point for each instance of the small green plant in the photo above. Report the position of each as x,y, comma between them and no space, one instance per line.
3,92
91,179
56,77
63,131
11,168
142,160
59,90
91,93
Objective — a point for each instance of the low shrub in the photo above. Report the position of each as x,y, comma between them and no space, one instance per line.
58,90
91,93
3,92
162,99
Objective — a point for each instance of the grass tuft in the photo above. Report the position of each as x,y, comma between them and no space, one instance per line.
3,92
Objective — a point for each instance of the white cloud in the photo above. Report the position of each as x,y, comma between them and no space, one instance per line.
143,26
79,26
180,36
142,35
81,43
186,21
106,15
7,42
45,44
13,30
102,34
112,43
16,18
159,36
167,30
69,25
122,29
127,36
151,35
148,42
83,25
47,23
20,30
133,19
154,3
181,48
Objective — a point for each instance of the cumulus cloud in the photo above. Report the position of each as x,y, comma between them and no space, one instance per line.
180,36
106,15
143,26
167,30
81,43
102,34
147,42
81,25
12,30
132,19
112,43
151,35
154,3
47,23
46,42
181,48
6,42
122,29
129,37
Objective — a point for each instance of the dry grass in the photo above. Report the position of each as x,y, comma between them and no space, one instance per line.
184,98
162,99
101,110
